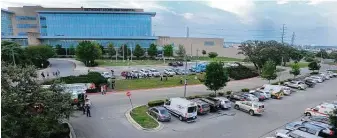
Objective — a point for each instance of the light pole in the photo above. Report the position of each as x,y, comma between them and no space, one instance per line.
185,76
116,53
13,56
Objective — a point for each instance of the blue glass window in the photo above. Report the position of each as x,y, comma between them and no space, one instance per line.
26,26
22,33
6,24
25,18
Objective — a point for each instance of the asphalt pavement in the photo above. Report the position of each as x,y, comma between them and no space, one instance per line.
109,121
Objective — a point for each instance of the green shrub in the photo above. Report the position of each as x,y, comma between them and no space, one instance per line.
198,96
155,103
275,83
241,72
190,97
245,90
201,77
221,94
314,73
309,59
212,95
229,92
92,77
290,79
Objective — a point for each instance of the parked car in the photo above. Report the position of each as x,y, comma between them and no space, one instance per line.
250,97
318,111
258,95
146,72
155,72
224,102
174,64
332,73
296,84
178,71
202,107
169,72
284,133
180,63
310,127
310,82
266,94
160,113
188,72
286,90
108,75
318,79
251,107
325,76
136,73
213,103
275,91
182,108
236,97
322,119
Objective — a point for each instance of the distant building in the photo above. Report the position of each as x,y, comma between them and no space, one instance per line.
194,46
34,25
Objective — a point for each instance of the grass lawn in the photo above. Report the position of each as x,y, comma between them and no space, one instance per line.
126,63
142,118
217,58
146,83
301,64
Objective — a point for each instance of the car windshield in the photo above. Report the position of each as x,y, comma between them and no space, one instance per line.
135,71
169,70
191,109
153,70
164,112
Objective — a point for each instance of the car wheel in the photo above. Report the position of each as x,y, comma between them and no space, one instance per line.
300,88
251,112
180,118
237,107
307,114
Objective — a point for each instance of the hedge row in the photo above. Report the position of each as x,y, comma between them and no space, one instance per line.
91,77
241,72
156,103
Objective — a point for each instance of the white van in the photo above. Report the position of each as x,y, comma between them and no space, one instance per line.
182,108
318,111
275,90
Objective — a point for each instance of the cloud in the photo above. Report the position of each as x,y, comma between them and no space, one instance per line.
188,15
310,2
241,8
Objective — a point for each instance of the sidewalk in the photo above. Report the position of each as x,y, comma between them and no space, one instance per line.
79,69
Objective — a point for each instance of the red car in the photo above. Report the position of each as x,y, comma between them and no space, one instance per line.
124,73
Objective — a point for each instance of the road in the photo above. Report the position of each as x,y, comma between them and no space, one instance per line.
65,67
109,120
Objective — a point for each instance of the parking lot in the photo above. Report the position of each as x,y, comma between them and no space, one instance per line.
108,119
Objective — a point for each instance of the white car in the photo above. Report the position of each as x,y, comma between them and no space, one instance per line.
325,76
224,102
264,93
106,75
155,72
169,72
296,84
137,73
286,90
250,97
146,72
332,73
251,107
317,78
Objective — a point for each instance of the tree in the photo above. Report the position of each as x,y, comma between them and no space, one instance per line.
314,66
27,109
11,52
333,118
39,55
71,50
102,49
127,51
87,52
212,55
152,51
139,51
181,52
203,52
216,76
168,50
322,54
333,55
111,50
295,69
269,70
59,50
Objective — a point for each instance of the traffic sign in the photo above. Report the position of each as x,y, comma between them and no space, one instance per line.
128,94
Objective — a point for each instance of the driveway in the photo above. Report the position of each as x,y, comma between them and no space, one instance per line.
109,121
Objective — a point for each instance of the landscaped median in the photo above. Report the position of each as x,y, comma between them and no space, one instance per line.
140,116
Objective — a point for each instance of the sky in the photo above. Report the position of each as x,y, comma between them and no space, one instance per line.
312,22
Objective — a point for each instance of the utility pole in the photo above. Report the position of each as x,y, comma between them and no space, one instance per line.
283,33
196,61
13,56
293,39
116,53
123,52
187,32
185,84
131,52
162,54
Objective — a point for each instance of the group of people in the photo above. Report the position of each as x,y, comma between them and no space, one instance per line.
56,73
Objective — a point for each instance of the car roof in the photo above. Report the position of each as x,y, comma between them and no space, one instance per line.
159,108
303,134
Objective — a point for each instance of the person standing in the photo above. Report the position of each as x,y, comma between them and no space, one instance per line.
102,89
58,73
47,74
87,107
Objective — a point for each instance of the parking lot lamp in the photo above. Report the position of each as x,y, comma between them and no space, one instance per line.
185,76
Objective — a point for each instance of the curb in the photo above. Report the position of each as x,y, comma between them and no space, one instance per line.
139,127
72,133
